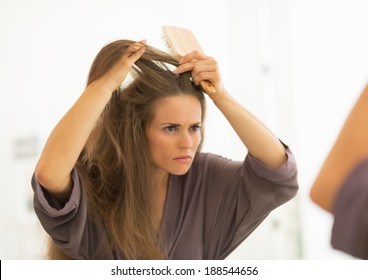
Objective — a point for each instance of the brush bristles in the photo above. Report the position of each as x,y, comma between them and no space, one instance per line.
169,50
180,40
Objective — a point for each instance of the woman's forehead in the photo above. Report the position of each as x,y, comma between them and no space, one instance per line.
178,108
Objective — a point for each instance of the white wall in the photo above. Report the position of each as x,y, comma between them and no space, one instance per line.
284,60
329,44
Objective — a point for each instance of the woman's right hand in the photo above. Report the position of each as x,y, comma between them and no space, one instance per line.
118,72
66,141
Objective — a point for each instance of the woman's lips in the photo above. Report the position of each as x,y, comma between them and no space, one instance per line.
183,159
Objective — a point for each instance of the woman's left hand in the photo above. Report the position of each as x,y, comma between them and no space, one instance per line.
203,68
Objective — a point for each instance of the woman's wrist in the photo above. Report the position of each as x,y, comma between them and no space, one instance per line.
222,99
219,96
100,88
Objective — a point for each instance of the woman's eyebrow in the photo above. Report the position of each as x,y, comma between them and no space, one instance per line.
176,124
169,123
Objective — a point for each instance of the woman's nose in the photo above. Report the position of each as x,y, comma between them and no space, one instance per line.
186,140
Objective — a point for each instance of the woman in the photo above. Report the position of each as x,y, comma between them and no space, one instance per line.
122,177
341,186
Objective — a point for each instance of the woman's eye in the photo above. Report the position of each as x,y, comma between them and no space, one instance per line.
171,128
195,128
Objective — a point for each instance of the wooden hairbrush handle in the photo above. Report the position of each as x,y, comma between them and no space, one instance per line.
208,87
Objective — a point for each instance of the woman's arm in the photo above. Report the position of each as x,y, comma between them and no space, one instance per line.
256,137
349,149
68,138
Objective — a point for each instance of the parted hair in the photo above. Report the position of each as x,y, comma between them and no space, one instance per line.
115,165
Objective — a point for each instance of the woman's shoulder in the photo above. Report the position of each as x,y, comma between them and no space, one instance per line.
356,183
202,157
350,227
212,160
362,167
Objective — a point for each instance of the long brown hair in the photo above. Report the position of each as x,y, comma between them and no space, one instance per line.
115,164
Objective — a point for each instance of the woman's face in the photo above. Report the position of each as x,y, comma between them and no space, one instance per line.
175,133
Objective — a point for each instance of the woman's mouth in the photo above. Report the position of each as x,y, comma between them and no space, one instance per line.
183,159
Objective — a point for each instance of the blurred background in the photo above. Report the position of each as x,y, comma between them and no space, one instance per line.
299,65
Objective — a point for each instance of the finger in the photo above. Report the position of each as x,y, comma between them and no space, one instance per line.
184,68
213,77
197,66
137,54
210,82
135,47
195,55
204,66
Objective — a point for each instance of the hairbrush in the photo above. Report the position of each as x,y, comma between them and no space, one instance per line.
181,41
